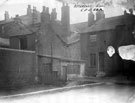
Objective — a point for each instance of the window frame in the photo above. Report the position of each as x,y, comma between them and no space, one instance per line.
93,37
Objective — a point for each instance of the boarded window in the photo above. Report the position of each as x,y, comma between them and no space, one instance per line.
73,69
93,38
92,60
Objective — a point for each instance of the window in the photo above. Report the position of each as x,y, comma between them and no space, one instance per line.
23,43
93,38
73,69
92,60
3,29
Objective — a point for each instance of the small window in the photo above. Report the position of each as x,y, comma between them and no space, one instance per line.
93,38
93,60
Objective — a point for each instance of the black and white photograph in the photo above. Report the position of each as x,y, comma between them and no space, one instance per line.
67,51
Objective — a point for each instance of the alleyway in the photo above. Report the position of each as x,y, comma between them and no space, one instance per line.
103,93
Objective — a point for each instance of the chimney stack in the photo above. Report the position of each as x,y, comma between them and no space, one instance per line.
44,9
90,18
100,15
6,15
45,16
125,12
53,14
17,19
35,15
29,12
65,17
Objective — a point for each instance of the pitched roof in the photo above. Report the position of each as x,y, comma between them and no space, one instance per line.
73,36
26,19
5,22
15,29
78,27
110,23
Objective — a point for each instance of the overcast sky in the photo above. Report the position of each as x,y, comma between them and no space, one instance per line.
20,6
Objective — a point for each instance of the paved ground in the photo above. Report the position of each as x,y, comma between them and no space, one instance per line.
104,93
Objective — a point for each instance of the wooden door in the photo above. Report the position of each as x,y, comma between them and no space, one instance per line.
64,73
101,61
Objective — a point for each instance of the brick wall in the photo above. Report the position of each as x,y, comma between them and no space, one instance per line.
17,68
47,74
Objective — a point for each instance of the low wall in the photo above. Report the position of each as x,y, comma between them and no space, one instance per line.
17,67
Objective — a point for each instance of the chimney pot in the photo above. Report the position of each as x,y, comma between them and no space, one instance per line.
17,19
125,12
131,11
29,6
34,8
17,16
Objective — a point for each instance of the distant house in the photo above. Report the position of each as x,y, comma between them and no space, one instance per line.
95,40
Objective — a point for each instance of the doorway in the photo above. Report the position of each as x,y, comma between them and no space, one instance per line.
101,61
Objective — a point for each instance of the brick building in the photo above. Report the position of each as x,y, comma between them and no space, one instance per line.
52,46
114,31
